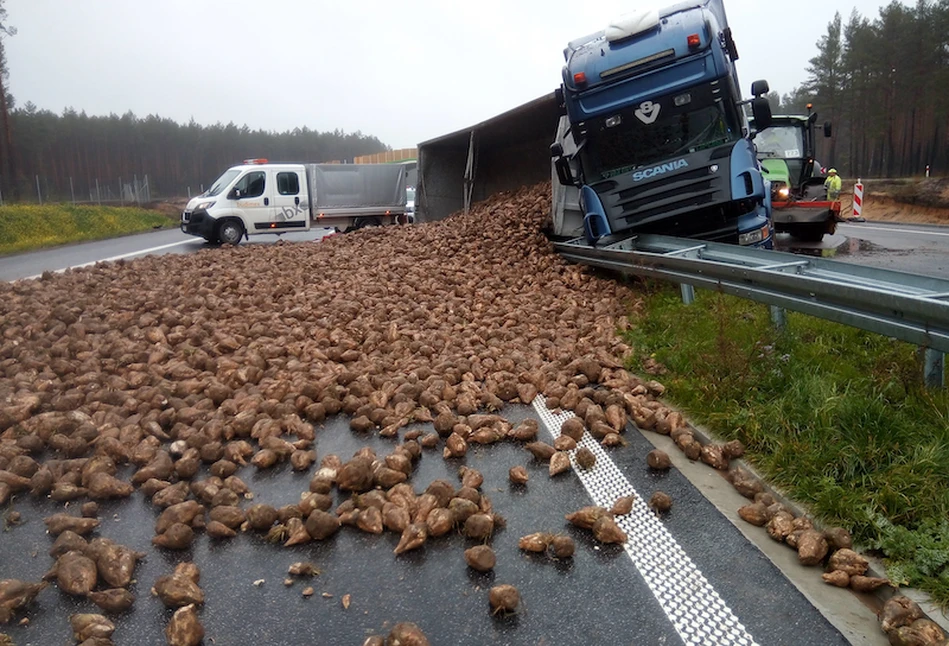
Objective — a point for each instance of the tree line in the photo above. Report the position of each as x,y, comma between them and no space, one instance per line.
61,156
882,84
73,151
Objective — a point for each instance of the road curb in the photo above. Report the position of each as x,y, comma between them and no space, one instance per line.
879,597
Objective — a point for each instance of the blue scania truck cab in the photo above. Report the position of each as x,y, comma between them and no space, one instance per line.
660,139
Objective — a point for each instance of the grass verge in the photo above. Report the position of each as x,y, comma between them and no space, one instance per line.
24,227
835,417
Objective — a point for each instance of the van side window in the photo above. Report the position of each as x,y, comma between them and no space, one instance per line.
251,184
288,183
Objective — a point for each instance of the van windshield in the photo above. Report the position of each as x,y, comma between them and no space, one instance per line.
222,182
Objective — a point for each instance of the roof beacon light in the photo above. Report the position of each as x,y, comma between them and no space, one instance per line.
631,24
694,41
580,79
259,160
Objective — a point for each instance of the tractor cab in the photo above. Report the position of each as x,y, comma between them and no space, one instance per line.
785,150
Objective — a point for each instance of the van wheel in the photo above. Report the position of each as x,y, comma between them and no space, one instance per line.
230,232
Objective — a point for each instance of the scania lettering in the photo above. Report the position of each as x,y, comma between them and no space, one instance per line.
260,197
654,133
659,170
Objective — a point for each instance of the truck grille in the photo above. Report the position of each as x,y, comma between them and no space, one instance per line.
631,204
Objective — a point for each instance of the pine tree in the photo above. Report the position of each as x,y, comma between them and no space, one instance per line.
8,176
825,75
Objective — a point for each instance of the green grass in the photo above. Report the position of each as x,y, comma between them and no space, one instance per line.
24,227
835,417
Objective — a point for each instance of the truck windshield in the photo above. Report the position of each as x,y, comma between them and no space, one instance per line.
786,142
686,122
222,182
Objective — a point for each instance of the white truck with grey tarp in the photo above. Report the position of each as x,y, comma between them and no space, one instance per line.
260,197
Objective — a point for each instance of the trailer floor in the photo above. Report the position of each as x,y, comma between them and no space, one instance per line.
699,581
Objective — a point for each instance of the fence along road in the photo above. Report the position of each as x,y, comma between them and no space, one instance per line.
904,306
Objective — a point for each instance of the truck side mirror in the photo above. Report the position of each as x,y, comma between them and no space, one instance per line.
559,100
761,110
827,129
564,173
760,88
234,194
730,44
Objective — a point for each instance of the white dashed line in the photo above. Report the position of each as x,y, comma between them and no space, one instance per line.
895,230
692,605
140,252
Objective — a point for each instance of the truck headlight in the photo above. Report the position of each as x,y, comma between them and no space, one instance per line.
203,206
754,237
783,192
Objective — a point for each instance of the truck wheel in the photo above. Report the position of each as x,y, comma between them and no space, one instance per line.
368,222
230,232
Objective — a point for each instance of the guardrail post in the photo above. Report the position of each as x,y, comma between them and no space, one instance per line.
934,368
778,317
688,293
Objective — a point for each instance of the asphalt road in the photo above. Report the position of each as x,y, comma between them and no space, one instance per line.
33,264
688,577
703,569
914,248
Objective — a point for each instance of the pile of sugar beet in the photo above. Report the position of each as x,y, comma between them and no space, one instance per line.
192,370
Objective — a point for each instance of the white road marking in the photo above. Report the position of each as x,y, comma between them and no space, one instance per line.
895,229
140,252
691,604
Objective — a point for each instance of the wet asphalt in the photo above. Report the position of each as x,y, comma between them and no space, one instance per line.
596,597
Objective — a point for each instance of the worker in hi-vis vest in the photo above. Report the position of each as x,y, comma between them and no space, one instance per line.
832,184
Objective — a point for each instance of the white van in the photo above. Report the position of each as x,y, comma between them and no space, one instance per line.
260,197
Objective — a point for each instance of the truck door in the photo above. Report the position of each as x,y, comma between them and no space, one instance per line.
291,207
252,194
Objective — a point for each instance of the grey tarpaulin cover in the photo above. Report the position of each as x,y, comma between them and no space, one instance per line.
356,185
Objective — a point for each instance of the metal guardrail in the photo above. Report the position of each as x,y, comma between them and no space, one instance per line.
896,304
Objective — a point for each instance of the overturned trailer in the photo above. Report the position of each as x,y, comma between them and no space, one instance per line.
502,153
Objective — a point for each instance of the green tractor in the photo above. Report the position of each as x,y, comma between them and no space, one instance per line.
786,154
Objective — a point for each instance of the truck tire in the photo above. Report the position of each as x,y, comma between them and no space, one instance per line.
230,232
362,223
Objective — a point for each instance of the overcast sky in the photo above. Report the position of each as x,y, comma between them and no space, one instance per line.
404,71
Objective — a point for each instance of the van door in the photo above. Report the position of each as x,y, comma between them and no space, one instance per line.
252,193
291,208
